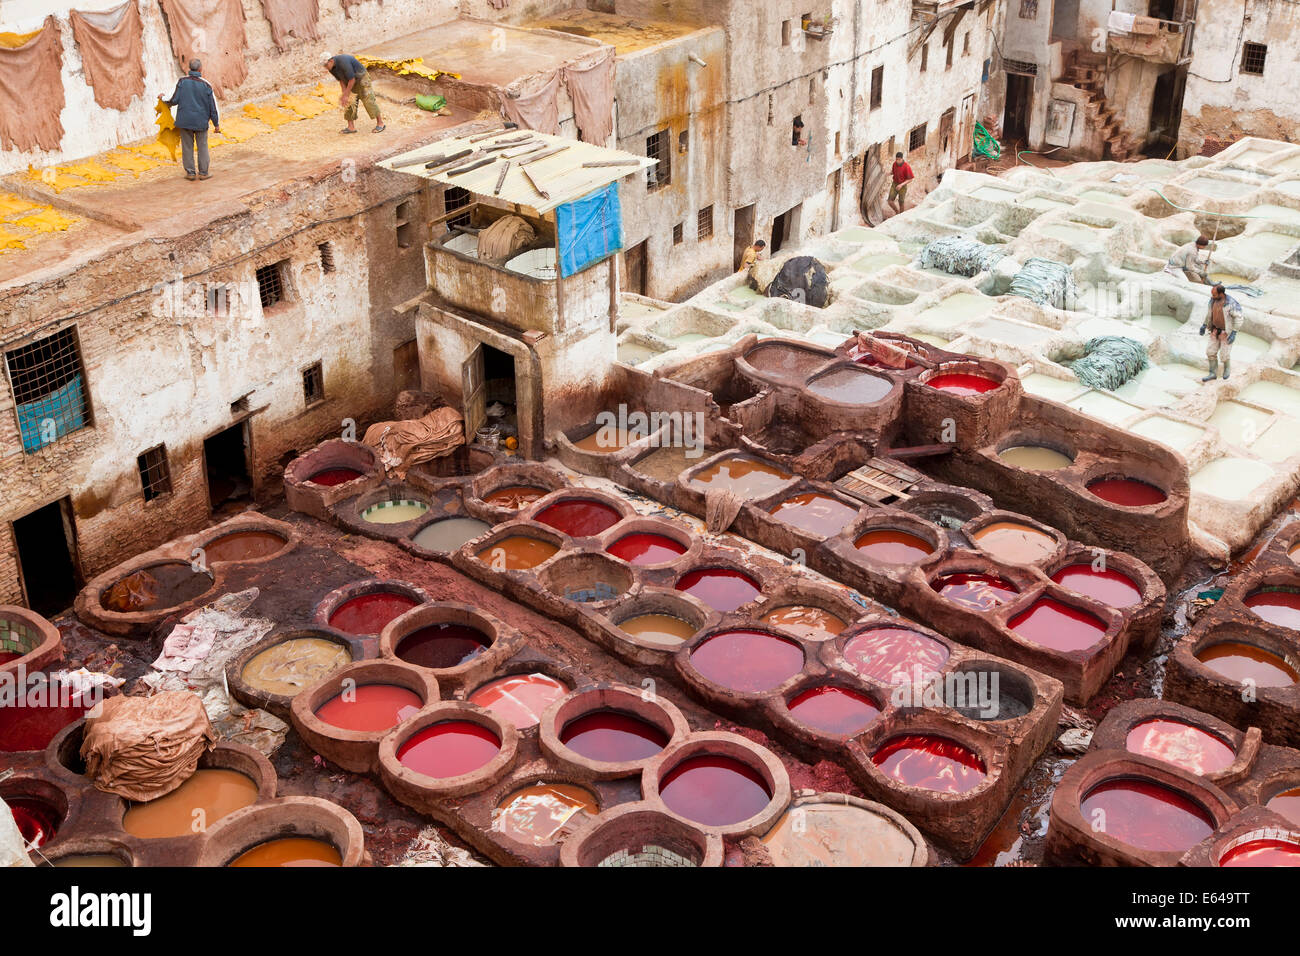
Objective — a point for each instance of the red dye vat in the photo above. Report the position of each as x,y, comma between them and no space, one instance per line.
1246,662
895,655
449,749
1109,587
720,588
983,592
1263,853
37,820
32,722
715,791
1181,744
8,657
963,383
930,763
1286,804
370,707
1277,607
890,546
443,645
611,736
580,518
834,710
1145,815
334,476
1059,626
369,613
643,549
1126,492
748,661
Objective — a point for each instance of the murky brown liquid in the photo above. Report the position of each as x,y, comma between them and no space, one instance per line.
294,665
661,629
813,623
1014,543
746,477
195,805
517,553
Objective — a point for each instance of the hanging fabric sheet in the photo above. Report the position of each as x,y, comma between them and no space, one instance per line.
535,105
591,87
31,90
589,229
112,53
298,18
213,31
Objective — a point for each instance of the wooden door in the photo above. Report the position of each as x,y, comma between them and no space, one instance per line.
474,392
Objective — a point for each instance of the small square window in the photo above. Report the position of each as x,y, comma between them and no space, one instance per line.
877,87
657,147
677,234
948,47
313,384
916,138
704,224
270,283
155,474
1252,58
456,197
787,31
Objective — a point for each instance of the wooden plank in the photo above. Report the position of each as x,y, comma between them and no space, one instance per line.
502,178
895,469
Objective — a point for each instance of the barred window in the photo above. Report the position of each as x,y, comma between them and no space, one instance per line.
270,283
456,197
155,473
326,256
704,224
657,147
916,138
877,87
1252,58
49,387
313,384
677,234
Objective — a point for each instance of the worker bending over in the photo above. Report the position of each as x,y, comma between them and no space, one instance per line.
1192,261
354,80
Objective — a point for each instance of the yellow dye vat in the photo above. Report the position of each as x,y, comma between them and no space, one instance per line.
272,116
47,220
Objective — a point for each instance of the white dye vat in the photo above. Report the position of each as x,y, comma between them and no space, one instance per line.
955,310
1051,387
858,234
1280,442
1280,398
1000,330
1275,212
1248,348
1239,424
994,194
1042,202
1104,406
537,263
1073,233
464,243
1177,435
1232,479
1218,188
1142,389
1259,249
1158,324
631,353
869,265
1101,195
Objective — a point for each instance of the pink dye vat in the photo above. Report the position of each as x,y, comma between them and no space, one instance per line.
1127,492
520,698
1277,607
715,791
720,588
748,661
834,710
1146,815
370,613
930,763
1263,853
982,592
449,749
644,549
1287,804
1181,744
611,736
1059,626
895,655
1109,587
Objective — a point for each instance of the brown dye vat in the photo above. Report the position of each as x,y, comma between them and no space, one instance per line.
851,386
891,546
207,796
1242,662
93,860
538,814
605,441
742,476
663,630
818,514
1014,543
786,363
665,464
517,553
294,665
243,546
1035,458
515,497
290,851
812,623
155,588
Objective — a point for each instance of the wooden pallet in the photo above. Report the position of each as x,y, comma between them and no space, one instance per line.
878,480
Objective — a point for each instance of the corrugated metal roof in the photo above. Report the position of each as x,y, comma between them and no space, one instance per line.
561,174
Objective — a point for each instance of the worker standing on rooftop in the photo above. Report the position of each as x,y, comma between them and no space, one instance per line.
1192,261
196,106
1221,321
354,80
902,175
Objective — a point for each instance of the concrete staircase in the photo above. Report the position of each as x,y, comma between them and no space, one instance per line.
1086,73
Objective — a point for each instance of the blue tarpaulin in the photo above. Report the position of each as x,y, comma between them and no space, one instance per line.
590,229
65,407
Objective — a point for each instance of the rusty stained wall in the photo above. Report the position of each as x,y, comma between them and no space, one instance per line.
1223,103
161,370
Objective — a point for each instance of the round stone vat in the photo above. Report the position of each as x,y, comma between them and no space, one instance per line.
519,548
1238,660
637,835
609,731
835,829
1276,605
244,545
229,777
89,852
289,831
1108,586
1181,743
817,514
36,713
365,608
1147,814
651,543
988,691
896,540
272,672
542,813
327,474
447,639
657,620
579,515
1126,492
156,588
28,640
587,578
1264,848
891,655
721,783
977,591
39,808
1016,541
520,698
344,716
452,749
747,660
721,588
444,535
833,710
929,761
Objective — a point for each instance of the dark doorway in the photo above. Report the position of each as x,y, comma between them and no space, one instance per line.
46,549
636,269
742,233
225,456
406,366
1166,112
1161,9
499,390
1015,117
783,227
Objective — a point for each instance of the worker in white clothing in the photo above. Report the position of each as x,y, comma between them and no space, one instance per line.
1192,261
